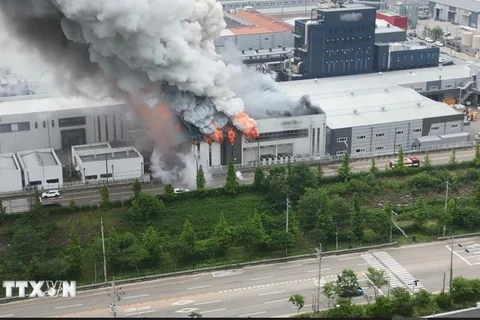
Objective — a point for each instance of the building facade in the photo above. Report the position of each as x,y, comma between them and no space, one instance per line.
11,173
394,19
463,12
41,169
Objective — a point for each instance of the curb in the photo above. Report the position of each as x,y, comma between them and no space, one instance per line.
225,267
467,235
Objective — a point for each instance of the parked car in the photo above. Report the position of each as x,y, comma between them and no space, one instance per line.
439,44
412,34
180,190
428,39
446,33
442,60
51,194
448,63
355,293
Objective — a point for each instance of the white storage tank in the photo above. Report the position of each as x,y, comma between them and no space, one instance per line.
476,41
467,39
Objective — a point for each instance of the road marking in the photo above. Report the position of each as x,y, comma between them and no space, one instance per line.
260,266
448,247
186,310
344,259
139,296
216,310
200,287
182,302
252,314
130,310
227,273
316,270
273,301
70,306
6,315
362,264
292,266
255,279
207,302
138,313
268,293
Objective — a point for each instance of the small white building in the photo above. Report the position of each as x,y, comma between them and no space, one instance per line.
10,173
100,161
41,168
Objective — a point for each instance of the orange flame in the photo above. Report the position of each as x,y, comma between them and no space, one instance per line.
246,124
218,135
208,139
231,135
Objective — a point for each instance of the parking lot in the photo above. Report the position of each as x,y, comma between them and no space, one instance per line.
468,251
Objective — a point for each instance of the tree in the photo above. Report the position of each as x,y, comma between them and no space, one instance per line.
436,32
231,186
278,187
152,245
330,290
338,3
476,192
201,182
427,164
168,191
222,234
298,301
402,302
382,308
426,31
310,205
345,171
423,298
356,219
476,158
105,204
3,211
421,213
188,238
377,279
74,254
72,206
194,314
319,173
136,189
259,179
251,234
146,207
400,164
347,281
373,167
289,167
453,158
299,179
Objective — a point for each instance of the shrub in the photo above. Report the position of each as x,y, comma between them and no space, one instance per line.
443,301
117,204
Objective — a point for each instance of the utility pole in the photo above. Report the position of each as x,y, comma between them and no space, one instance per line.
336,239
319,256
446,205
103,247
106,166
451,262
391,226
286,222
116,294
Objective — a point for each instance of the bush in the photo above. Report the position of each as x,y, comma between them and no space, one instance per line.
425,180
117,204
443,301
87,207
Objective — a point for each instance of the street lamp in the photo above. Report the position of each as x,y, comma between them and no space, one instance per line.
113,178
106,166
336,239
446,205
391,225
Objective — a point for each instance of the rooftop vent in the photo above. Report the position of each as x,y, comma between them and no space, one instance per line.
355,111
113,154
382,108
385,89
128,152
316,80
419,104
380,73
352,93
411,72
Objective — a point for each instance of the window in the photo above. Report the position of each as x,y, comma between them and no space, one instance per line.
433,88
379,135
361,137
418,89
340,153
106,128
343,139
448,86
281,135
99,129
400,145
14,127
71,122
36,125
360,150
53,123
454,126
417,130
114,128
400,132
379,148
435,128
44,123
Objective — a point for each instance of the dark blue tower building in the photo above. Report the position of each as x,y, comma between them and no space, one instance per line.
335,42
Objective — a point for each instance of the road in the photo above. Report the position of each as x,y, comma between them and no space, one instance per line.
262,290
122,193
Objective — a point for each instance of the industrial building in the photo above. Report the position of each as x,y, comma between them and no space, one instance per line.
342,41
100,161
462,12
11,173
378,113
394,19
386,32
44,121
278,5
41,169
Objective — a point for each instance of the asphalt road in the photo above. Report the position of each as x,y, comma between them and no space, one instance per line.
122,193
263,290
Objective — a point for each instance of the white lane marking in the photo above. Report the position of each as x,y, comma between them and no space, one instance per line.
343,259
292,266
70,306
305,306
252,314
255,279
130,310
138,313
260,266
139,296
207,302
362,264
182,302
273,301
6,315
316,270
448,247
200,287
268,293
186,310
216,310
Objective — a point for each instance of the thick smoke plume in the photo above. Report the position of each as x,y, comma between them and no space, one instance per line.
150,53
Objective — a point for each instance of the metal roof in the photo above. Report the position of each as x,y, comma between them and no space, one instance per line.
38,158
8,162
470,5
109,154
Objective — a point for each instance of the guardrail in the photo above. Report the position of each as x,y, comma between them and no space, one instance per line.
225,267
466,235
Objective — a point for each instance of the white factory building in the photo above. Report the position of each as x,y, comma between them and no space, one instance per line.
101,161
41,168
10,173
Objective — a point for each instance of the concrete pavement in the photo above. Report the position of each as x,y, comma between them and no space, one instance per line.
262,290
122,193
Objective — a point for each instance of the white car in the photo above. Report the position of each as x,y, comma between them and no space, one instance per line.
180,190
438,44
51,194
442,60
428,39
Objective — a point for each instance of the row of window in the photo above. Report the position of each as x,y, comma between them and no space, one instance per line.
265,4
347,30
281,135
431,88
25,126
350,40
360,150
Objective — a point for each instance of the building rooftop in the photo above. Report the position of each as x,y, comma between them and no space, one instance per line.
109,153
38,158
8,162
45,103
347,7
289,10
389,13
253,22
93,146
